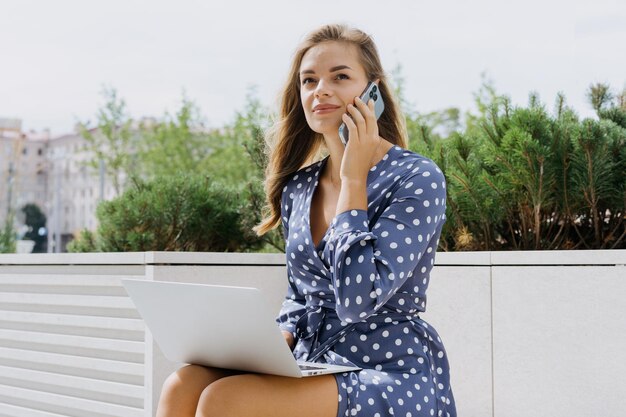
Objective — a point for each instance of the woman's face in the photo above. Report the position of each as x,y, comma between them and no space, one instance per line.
331,76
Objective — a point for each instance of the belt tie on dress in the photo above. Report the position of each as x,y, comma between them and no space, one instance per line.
310,322
307,330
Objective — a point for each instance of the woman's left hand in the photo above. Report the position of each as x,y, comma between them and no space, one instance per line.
363,141
288,338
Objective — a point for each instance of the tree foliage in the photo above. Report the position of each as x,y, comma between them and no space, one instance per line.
517,177
180,146
111,140
172,213
35,221
248,134
173,145
8,241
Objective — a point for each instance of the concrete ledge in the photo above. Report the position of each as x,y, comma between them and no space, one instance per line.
214,258
560,257
463,258
107,258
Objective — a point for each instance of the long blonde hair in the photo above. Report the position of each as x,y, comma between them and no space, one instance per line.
291,144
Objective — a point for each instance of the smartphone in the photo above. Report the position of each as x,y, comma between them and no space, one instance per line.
371,92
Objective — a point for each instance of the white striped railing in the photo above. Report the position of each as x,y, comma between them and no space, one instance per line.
71,341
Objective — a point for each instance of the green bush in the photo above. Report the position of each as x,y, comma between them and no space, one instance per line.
86,241
519,178
7,236
173,213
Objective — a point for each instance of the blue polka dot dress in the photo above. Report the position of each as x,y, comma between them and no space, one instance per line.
355,299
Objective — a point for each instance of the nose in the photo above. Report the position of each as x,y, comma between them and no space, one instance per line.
322,89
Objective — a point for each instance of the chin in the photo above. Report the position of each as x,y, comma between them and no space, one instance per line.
325,128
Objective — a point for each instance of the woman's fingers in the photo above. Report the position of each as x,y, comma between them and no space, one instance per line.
366,111
352,129
372,123
358,119
361,123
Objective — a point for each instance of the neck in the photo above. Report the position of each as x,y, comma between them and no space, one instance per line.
333,166
335,179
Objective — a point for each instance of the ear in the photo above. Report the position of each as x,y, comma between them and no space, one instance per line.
376,81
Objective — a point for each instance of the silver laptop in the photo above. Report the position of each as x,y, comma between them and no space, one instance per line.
220,326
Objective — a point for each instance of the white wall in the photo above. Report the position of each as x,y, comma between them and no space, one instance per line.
527,333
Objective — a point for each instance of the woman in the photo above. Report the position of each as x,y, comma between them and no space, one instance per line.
361,229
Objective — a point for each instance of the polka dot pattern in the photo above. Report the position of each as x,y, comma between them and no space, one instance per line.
361,288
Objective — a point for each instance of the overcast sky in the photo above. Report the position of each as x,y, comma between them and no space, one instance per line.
55,56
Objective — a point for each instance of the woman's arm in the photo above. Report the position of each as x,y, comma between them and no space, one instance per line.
292,309
369,266
357,157
353,196
293,306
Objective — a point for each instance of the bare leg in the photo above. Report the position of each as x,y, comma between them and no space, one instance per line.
255,395
182,389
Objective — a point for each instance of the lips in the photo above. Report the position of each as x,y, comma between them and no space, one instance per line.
324,107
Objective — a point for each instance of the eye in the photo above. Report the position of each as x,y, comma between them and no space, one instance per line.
307,79
343,75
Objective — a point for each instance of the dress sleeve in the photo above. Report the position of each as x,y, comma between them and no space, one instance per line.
293,306
369,266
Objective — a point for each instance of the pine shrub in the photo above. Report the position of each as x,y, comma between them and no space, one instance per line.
172,213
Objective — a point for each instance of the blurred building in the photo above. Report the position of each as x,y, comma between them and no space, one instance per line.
52,173
74,189
23,176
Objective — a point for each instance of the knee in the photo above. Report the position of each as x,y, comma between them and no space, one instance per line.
180,382
220,399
